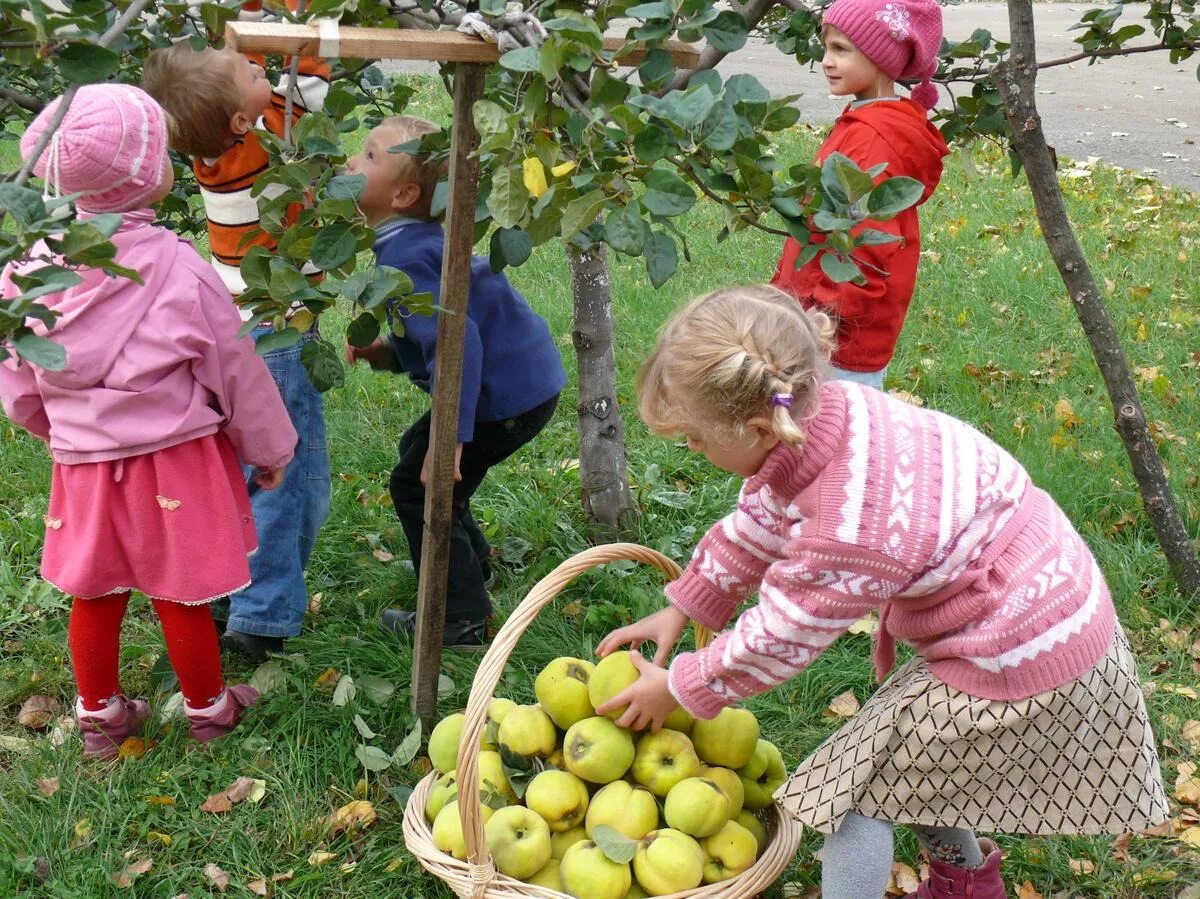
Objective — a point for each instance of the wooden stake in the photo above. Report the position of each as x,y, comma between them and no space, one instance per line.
451,328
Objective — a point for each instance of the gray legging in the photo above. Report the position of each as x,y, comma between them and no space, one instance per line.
857,858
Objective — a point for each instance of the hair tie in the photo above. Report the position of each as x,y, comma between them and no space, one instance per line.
781,399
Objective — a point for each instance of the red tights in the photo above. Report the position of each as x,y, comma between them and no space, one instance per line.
95,641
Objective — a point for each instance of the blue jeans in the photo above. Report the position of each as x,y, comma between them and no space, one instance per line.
870,378
288,518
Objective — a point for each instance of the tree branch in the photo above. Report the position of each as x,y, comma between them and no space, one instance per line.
752,12
25,101
1119,51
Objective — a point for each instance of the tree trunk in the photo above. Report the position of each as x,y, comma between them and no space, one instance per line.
1015,79
607,502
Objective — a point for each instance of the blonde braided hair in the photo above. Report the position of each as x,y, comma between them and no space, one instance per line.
732,356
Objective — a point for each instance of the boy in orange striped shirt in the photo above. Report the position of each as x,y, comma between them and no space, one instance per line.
215,100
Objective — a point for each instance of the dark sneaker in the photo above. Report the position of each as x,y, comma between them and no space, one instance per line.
252,647
470,634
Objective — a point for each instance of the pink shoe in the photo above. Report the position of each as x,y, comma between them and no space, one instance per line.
949,882
223,715
104,731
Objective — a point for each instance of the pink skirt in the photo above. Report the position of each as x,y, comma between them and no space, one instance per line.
173,524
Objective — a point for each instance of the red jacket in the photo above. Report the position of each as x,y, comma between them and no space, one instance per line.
870,316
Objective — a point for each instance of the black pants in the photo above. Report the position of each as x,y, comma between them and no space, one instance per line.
495,441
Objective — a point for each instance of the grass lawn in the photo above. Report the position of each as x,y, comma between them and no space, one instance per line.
991,338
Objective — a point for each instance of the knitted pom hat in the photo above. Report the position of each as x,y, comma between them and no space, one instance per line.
902,37
111,148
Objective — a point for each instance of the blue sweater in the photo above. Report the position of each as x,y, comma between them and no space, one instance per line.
510,362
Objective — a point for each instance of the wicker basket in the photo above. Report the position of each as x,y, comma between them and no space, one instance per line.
478,877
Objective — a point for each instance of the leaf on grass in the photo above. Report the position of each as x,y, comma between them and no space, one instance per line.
134,748
247,788
1028,891
320,857
377,689
372,757
1191,734
160,800
445,685
47,786
615,845
219,878
344,691
1082,866
14,744
217,804
327,680
159,837
172,708
843,705
868,624
37,711
258,887
383,555
902,880
353,816
1191,837
409,746
268,677
125,878
1188,790
363,729
1064,412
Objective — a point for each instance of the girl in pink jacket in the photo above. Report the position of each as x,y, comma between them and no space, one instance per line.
1021,712
146,424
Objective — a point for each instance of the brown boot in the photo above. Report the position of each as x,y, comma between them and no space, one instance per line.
951,882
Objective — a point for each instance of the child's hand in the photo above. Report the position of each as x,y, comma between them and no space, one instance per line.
269,478
378,355
649,698
662,629
427,465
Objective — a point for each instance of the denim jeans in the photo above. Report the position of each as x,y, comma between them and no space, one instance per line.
870,378
288,518
494,441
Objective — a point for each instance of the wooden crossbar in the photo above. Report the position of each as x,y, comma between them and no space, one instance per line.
406,43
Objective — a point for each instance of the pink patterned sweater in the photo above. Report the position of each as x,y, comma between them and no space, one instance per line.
910,511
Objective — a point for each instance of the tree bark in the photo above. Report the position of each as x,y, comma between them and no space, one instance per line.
752,11
1015,79
607,501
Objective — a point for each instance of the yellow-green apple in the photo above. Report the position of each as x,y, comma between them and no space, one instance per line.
680,719
558,796
750,821
663,759
668,861
730,783
697,806
562,690
492,777
497,709
587,873
448,833
444,789
597,750
519,841
762,775
549,877
636,892
443,742
613,674
555,759
628,809
561,842
727,740
728,852
528,731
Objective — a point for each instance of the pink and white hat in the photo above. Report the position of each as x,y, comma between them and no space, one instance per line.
902,37
111,148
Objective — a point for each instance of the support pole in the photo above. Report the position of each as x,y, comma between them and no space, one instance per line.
452,325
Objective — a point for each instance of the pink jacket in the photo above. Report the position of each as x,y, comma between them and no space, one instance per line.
904,510
147,366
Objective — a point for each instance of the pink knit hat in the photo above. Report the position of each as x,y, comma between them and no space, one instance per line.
111,148
902,37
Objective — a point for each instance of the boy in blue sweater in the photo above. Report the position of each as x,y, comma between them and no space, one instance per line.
512,371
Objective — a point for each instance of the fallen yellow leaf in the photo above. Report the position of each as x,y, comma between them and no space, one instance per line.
843,706
125,878
134,748
47,786
163,838
356,815
320,858
1027,891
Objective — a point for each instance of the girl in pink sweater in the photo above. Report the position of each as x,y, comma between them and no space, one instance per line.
1021,712
146,423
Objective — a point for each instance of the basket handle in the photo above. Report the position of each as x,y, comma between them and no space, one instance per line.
487,676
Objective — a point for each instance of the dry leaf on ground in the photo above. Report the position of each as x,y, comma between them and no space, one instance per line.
217,804
47,786
320,857
37,711
843,706
134,748
219,878
903,880
356,815
125,878
1027,891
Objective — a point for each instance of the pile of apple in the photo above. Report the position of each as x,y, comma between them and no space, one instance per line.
577,804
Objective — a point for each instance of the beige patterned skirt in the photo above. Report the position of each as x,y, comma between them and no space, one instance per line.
1079,759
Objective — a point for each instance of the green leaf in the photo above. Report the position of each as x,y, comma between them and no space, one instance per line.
852,182
873,237
345,690
372,757
692,108
581,212
626,231
509,246
87,63
445,685
409,746
655,69
509,197
524,59
363,729
334,246
345,187
277,340
44,280
653,144
727,32
377,689
667,193
323,364
839,270
658,10
23,203
616,847
662,258
256,267
893,196
363,330
40,351
490,118
81,236
746,89
268,676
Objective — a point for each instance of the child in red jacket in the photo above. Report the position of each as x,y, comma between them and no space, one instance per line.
869,44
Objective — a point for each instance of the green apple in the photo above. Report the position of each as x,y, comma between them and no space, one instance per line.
730,783
626,808
663,759
750,821
613,674
497,709
697,806
445,788
555,760
727,740
668,861
680,719
762,775
448,833
728,852
562,690
597,750
549,877
561,842
587,873
636,892
443,742
559,797
528,731
492,777
519,841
